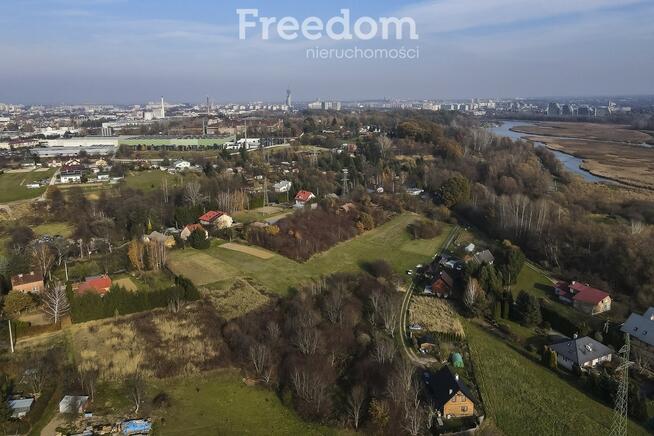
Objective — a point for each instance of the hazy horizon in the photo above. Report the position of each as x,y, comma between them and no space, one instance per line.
126,52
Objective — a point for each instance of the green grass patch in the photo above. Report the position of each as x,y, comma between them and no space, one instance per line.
220,403
525,398
152,179
63,229
13,186
390,242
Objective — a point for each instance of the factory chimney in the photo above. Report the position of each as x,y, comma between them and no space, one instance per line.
163,108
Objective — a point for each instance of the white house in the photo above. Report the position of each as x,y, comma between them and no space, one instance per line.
302,198
71,177
283,186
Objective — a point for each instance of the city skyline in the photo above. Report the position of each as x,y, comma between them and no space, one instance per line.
123,52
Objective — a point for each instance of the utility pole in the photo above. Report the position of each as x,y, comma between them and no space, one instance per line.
11,336
620,419
345,190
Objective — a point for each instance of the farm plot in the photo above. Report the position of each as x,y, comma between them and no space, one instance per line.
252,251
435,315
241,298
201,268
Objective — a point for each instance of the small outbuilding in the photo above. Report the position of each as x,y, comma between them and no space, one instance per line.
73,404
457,360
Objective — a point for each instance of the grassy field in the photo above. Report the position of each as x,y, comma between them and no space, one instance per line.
51,229
220,403
597,132
259,214
13,185
219,267
526,398
435,315
152,179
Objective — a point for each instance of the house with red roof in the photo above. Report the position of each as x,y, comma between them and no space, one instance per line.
216,219
302,198
97,285
583,297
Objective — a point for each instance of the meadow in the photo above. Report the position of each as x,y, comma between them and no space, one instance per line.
219,402
151,179
525,397
13,186
218,267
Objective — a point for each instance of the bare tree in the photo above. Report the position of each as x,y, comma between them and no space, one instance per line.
306,339
389,314
55,302
384,349
333,306
37,375
272,328
355,402
309,386
471,294
405,371
136,388
260,358
413,421
43,257
193,194
637,227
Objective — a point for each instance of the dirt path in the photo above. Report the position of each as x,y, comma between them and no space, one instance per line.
51,428
406,302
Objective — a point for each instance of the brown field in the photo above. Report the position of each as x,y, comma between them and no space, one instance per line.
252,251
241,298
435,315
590,131
157,343
629,164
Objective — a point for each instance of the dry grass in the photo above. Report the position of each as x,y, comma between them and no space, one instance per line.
201,268
127,284
240,299
596,132
435,315
157,343
252,251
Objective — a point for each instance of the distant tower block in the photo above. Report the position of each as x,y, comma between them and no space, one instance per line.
289,101
163,108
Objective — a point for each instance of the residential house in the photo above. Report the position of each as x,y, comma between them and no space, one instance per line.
443,287
641,330
582,352
20,407
32,282
282,186
482,257
186,232
583,297
98,285
167,240
103,177
73,404
70,176
303,198
452,399
217,219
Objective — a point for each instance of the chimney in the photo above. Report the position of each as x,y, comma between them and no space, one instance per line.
450,392
456,377
575,336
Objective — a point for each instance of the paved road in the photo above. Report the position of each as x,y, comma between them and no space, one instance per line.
408,350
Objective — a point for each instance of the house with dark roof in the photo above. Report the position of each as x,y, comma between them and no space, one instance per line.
482,257
641,330
443,286
32,282
451,398
583,297
582,352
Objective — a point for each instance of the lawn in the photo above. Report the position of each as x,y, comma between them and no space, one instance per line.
52,229
13,186
220,403
152,179
219,267
526,398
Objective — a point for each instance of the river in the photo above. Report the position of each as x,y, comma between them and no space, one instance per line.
571,163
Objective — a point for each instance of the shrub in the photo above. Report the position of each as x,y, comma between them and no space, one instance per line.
199,240
424,229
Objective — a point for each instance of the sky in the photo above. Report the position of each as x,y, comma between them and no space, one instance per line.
133,51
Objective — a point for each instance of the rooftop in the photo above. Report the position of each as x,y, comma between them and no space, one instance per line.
581,350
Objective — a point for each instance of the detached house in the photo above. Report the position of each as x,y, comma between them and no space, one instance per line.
302,198
96,285
443,287
641,330
217,219
186,233
583,297
583,352
32,282
452,399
